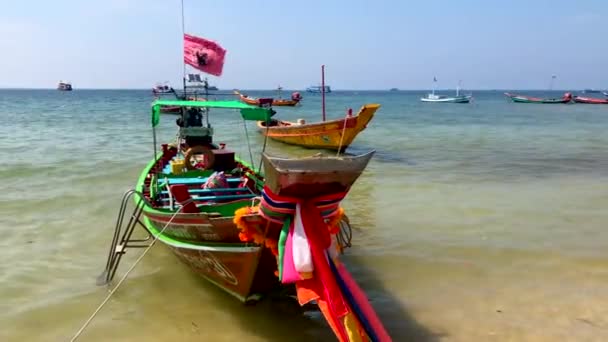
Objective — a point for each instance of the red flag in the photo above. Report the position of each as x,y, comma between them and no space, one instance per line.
204,55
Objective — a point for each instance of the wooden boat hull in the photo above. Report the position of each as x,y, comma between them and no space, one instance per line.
590,100
331,135
527,99
245,271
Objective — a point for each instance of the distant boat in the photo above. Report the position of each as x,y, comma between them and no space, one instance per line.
162,88
590,91
432,97
528,99
590,100
394,89
64,86
605,93
318,89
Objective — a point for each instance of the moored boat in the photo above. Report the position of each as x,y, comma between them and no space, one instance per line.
64,86
296,97
332,134
236,227
432,97
589,100
448,99
528,99
319,89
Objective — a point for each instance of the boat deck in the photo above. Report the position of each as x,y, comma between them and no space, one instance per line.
240,187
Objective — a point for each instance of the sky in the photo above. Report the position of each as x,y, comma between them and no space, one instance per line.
380,44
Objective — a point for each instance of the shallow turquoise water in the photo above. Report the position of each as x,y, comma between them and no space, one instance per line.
472,222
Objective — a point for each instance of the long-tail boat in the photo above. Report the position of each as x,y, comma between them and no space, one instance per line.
332,135
590,100
250,232
295,99
528,99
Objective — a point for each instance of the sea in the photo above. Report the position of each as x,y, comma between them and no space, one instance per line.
485,221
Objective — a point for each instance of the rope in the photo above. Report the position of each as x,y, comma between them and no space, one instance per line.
248,144
263,147
94,314
342,136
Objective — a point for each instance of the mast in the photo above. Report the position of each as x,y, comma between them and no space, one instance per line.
323,90
183,48
434,84
551,83
458,87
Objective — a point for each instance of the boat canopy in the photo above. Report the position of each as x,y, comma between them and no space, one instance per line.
248,112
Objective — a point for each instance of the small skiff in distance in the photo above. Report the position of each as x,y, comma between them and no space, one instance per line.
295,99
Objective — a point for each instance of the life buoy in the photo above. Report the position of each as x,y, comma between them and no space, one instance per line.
206,151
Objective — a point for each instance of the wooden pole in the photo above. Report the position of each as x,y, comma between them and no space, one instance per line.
323,89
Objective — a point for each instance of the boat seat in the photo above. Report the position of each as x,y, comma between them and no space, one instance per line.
195,180
209,191
208,198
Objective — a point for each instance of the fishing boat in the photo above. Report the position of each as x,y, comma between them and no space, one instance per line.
242,229
296,97
589,100
332,135
528,99
64,86
432,97
162,88
319,89
605,93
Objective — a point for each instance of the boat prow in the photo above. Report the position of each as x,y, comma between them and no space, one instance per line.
313,176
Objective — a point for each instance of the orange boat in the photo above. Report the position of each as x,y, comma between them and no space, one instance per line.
295,99
331,135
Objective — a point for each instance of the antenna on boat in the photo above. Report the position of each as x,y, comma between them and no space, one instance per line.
323,90
551,83
434,84
458,87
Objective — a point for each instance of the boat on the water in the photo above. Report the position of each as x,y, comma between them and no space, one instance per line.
162,88
528,99
319,89
432,97
296,97
589,100
64,86
249,232
444,98
332,134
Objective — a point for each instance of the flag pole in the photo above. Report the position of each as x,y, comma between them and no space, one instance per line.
183,49
323,89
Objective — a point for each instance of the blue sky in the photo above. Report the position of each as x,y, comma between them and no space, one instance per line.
379,44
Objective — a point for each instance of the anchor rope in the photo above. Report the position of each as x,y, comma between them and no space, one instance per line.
342,136
94,314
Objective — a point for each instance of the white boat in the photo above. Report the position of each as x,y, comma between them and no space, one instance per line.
432,97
